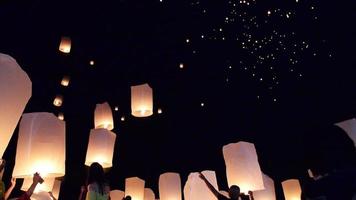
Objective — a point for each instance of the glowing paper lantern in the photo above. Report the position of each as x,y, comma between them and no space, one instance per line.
103,116
349,127
149,194
141,100
117,194
100,147
61,116
15,90
135,187
58,100
65,45
291,189
40,146
170,186
65,81
268,193
242,167
196,189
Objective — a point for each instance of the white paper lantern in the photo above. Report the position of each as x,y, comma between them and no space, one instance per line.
65,45
149,194
15,90
196,189
117,194
65,81
170,186
46,186
135,187
61,116
291,189
103,116
349,127
100,147
141,100
40,146
58,100
242,167
268,193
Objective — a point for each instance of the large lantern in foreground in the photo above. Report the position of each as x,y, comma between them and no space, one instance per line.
141,100
100,147
40,146
103,116
65,45
291,189
149,194
349,127
15,91
135,187
196,189
268,193
117,194
242,167
170,186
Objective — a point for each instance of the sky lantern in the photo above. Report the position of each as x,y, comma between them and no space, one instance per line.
61,116
170,186
117,194
58,100
135,187
65,81
16,90
268,193
242,167
65,45
40,146
349,127
196,189
141,100
149,194
291,189
100,147
103,116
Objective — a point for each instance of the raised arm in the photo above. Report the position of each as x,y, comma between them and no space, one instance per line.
251,195
210,186
8,191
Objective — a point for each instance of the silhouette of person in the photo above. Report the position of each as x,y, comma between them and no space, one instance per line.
97,187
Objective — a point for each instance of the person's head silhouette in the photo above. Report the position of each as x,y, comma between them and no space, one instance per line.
234,192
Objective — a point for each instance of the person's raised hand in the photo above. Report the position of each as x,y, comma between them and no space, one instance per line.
13,182
37,178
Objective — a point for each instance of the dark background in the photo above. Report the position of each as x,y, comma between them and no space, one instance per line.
134,42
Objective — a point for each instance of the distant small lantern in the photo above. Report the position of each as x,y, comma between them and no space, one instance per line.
65,45
92,62
170,186
268,193
242,167
40,146
141,100
135,187
122,118
349,127
117,195
196,189
103,116
149,194
15,90
100,147
116,108
58,100
159,111
65,81
291,189
61,116
181,65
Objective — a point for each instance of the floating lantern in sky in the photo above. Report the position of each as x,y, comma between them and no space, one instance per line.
242,167
196,189
40,146
61,116
91,62
16,90
291,189
103,116
117,195
116,108
268,193
100,147
159,111
170,186
58,100
122,118
135,187
65,45
349,127
141,100
181,65
149,194
65,81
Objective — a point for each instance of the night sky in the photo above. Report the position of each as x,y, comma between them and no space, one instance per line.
270,72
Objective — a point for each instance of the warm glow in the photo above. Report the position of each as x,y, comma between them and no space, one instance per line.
117,195
159,111
91,62
196,189
181,65
170,186
40,146
65,45
116,108
15,90
61,116
135,187
58,100
291,189
268,193
103,116
141,100
65,81
122,118
148,194
100,147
